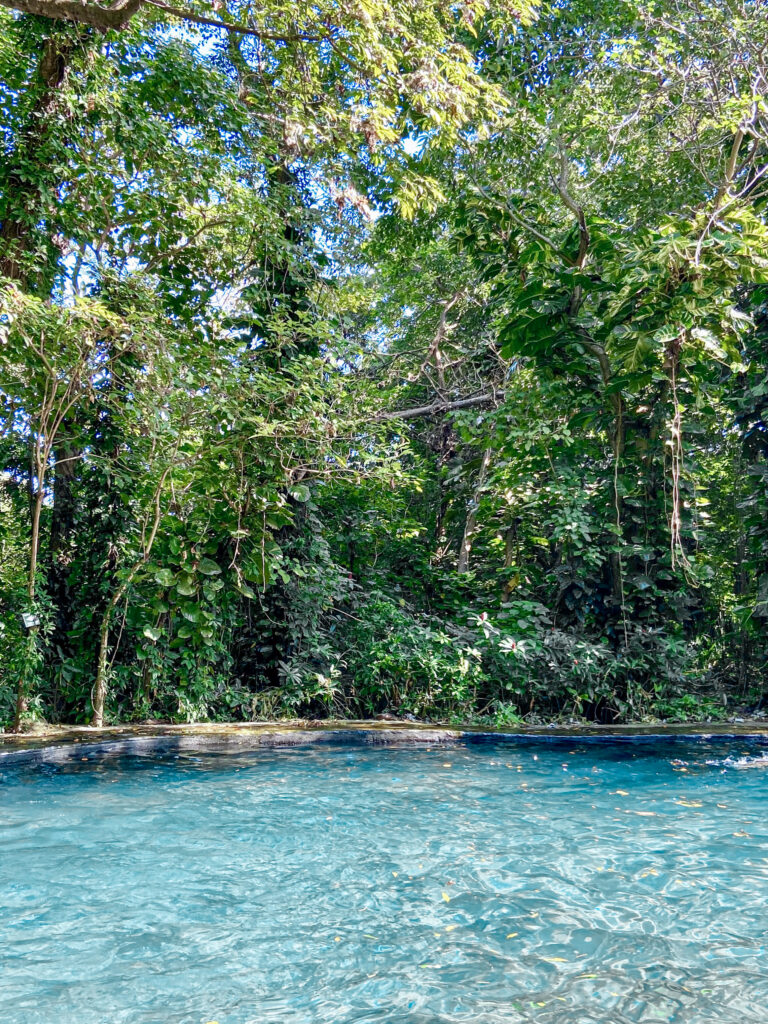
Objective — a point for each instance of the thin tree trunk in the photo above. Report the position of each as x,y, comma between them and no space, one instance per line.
35,542
22,701
62,537
100,685
510,547
614,559
741,585
470,524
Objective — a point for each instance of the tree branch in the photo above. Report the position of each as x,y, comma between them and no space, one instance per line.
561,184
200,19
521,221
117,17
174,249
102,18
435,407
442,329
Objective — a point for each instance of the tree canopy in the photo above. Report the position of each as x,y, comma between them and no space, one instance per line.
383,357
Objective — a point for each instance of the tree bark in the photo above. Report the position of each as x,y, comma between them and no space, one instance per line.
103,18
117,17
21,208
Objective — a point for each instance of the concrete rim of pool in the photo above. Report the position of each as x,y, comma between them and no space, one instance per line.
65,744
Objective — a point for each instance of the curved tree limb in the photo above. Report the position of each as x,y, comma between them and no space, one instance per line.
119,14
82,13
199,19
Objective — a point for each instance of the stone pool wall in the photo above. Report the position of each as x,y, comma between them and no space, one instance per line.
62,744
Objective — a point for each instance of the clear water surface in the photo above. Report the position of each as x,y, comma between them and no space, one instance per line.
557,884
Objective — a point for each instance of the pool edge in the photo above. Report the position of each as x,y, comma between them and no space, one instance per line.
242,737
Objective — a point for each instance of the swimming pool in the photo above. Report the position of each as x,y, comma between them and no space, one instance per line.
560,883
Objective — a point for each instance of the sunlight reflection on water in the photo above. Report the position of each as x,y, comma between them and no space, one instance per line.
555,884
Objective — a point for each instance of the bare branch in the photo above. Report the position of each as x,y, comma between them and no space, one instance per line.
442,329
561,184
168,254
519,219
440,406
200,19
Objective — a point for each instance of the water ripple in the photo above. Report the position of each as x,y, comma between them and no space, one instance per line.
497,885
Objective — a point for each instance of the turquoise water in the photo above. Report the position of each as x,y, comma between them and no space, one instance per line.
558,884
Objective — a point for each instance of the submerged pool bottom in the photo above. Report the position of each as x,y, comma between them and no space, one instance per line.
559,884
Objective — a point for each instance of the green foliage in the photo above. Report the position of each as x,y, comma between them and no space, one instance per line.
690,707
407,358
397,662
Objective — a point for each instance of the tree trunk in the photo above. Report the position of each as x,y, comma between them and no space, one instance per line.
37,507
614,559
470,524
62,539
510,548
741,582
20,212
100,685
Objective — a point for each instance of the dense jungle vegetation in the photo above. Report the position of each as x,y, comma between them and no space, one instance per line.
383,356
